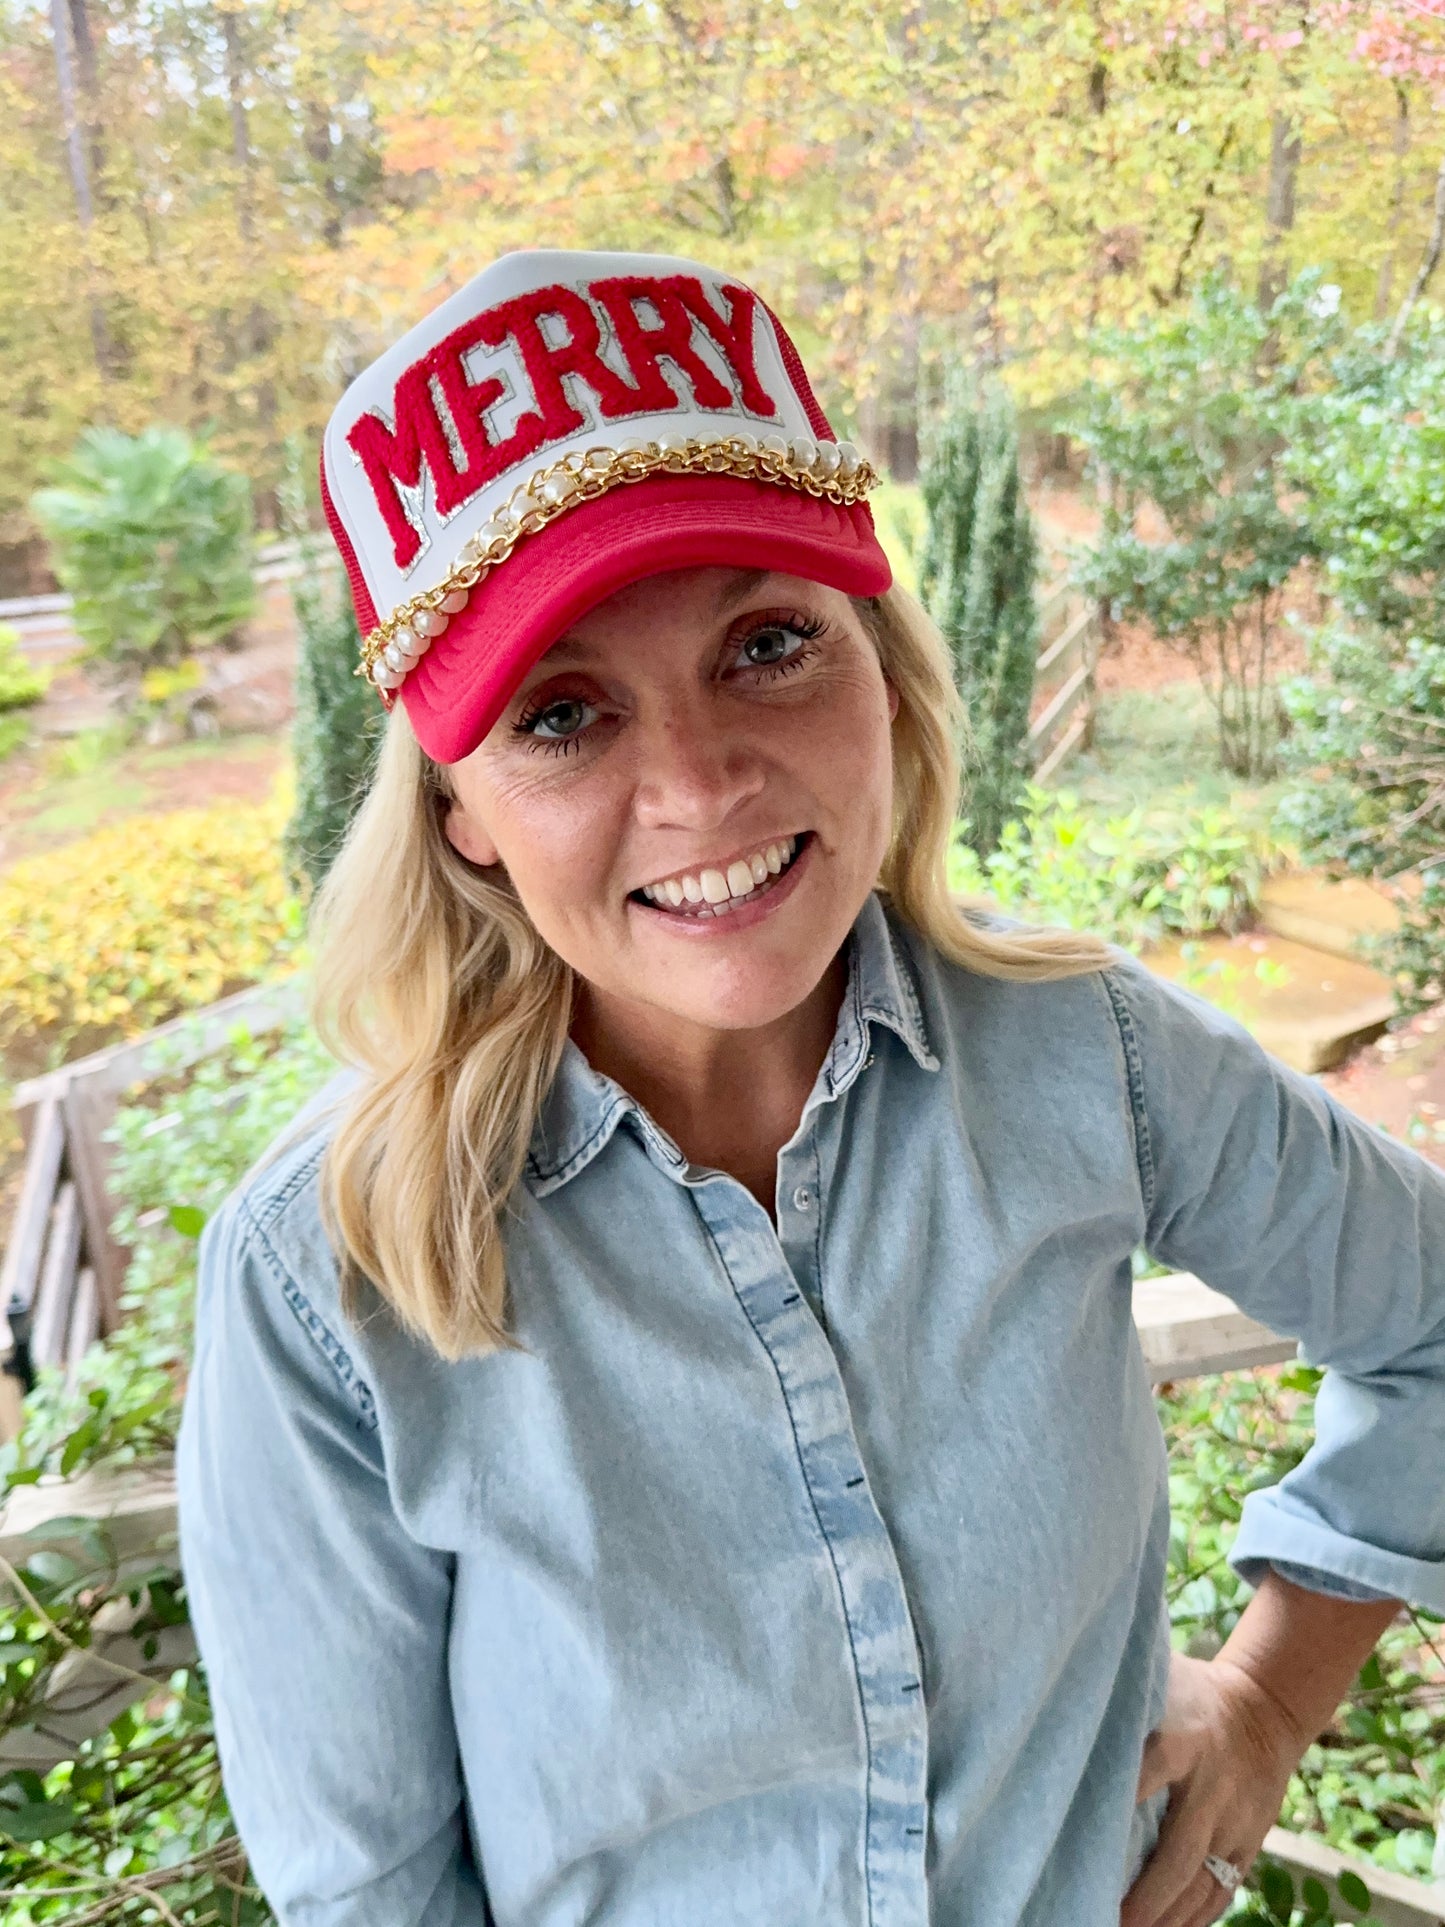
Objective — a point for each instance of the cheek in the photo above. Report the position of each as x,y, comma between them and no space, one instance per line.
557,841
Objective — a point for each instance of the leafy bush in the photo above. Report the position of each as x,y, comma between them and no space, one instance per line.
120,930
21,683
1372,1785
1372,466
140,1810
976,571
1129,878
1193,415
1367,744
152,537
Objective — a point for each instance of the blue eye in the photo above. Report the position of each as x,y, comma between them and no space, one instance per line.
778,645
559,721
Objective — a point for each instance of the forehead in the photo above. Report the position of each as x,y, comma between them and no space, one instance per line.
691,598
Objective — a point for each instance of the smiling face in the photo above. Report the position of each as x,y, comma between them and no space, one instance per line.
692,794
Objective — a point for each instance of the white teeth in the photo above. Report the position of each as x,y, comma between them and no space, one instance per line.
719,889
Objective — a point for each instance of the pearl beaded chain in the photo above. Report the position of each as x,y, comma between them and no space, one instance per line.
834,471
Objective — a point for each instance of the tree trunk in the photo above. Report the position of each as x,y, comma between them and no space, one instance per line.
1285,146
88,73
1385,285
80,186
1426,269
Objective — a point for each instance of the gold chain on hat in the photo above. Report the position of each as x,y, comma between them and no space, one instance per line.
832,471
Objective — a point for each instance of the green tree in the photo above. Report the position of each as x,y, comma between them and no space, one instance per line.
976,575
1190,416
152,537
338,725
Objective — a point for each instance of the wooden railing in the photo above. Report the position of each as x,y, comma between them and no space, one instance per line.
1064,676
61,1274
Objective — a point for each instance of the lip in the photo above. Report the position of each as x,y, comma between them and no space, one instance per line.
751,910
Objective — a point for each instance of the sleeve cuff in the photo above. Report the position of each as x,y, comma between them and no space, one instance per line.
1274,1534
1328,1583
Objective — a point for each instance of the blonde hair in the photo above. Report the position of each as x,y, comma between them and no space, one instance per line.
431,978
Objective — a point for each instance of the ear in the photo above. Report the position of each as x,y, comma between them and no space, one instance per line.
892,701
467,837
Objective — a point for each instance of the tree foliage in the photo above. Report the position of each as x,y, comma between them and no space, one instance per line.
338,726
275,192
976,573
1191,419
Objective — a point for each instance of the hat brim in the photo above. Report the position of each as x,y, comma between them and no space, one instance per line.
461,686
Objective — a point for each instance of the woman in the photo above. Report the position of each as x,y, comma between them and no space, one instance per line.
667,1442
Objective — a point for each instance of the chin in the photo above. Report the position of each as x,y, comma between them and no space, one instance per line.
738,997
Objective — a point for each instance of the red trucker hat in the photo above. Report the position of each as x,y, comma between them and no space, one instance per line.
564,425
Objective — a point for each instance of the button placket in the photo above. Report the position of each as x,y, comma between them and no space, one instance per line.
883,1645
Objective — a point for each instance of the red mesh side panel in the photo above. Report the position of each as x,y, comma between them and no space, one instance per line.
360,594
798,376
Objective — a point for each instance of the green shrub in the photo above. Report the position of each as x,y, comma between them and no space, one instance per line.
1372,469
1192,414
152,537
1372,1784
338,726
976,572
1367,744
122,929
1132,878
21,683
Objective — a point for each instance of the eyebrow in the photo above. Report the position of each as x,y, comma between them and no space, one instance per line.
569,648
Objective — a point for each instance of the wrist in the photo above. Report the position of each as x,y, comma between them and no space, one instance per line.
1299,1652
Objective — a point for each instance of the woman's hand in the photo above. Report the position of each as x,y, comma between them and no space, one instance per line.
1225,1749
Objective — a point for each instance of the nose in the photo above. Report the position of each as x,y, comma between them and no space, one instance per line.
697,767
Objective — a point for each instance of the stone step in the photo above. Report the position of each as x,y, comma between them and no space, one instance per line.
1327,913
1309,1006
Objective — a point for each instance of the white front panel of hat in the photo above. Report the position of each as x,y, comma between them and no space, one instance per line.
405,533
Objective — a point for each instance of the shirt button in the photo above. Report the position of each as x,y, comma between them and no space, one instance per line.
802,1198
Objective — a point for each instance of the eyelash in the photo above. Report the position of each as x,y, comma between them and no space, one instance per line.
806,628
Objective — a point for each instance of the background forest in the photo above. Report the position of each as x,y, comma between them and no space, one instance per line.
213,214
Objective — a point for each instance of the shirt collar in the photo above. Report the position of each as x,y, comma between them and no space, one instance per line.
583,1108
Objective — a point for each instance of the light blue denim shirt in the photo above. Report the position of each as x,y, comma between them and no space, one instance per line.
808,1577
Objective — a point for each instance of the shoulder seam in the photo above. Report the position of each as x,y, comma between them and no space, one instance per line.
1134,1080
311,1322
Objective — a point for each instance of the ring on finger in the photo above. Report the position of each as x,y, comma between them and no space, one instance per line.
1224,1871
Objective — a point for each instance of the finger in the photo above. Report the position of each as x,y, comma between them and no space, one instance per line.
1154,1768
1173,1866
1202,1901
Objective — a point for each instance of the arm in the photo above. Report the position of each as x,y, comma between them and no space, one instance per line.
321,1623
1319,1225
1234,1730
1322,1227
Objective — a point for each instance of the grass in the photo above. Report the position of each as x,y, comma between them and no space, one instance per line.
14,732
96,776
1154,746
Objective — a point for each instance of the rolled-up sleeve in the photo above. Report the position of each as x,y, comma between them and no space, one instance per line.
1330,1232
321,1623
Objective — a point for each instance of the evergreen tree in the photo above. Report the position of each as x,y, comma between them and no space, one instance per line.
338,725
976,576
